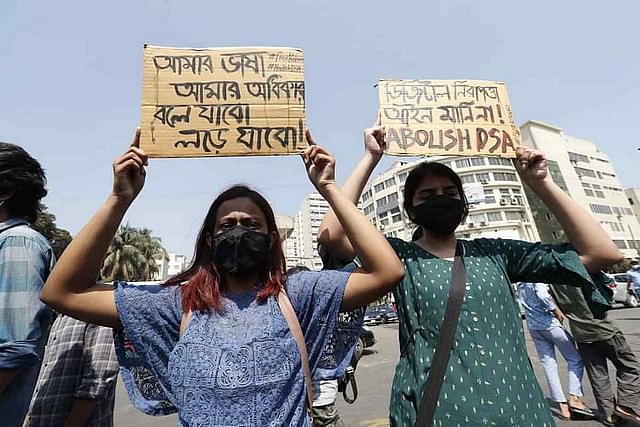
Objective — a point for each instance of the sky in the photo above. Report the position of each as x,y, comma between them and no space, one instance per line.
71,76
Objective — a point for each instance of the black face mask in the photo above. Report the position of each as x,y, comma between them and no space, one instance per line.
240,250
439,214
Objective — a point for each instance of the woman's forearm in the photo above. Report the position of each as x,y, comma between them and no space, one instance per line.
331,233
585,234
371,247
79,266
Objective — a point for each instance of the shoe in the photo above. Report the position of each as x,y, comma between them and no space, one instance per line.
581,414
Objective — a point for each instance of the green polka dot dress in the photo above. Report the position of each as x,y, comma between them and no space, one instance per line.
489,380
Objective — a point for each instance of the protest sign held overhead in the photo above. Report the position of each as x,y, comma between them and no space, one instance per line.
243,101
447,117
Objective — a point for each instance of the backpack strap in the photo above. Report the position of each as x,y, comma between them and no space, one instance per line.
294,326
431,390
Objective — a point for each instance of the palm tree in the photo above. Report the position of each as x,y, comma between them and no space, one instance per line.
131,255
152,250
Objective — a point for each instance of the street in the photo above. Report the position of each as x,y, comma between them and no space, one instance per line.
375,374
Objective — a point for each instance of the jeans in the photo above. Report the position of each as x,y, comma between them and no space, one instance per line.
546,342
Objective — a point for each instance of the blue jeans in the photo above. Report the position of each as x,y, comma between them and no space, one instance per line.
546,342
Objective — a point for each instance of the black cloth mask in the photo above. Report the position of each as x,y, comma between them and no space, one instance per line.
439,214
240,250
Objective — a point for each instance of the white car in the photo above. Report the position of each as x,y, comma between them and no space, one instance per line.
622,292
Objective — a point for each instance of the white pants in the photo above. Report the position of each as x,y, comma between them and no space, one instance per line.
546,342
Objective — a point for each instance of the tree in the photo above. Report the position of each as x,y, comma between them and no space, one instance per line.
46,225
132,255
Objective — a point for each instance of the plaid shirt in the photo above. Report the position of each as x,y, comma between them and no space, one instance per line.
79,363
25,262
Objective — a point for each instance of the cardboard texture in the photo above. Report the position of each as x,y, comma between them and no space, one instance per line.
447,117
243,101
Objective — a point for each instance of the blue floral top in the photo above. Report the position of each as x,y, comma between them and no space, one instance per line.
239,368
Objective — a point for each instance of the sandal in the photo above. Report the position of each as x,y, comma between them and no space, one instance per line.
627,414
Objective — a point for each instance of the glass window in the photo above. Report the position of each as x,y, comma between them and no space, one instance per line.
396,218
467,179
483,177
575,157
379,187
585,172
389,183
513,216
601,209
494,216
477,161
476,218
463,163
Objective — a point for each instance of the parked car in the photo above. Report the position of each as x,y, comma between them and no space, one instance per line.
623,290
372,317
387,313
365,340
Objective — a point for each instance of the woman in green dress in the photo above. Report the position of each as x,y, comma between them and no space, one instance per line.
489,380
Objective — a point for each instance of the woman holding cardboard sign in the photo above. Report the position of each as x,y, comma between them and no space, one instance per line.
463,359
222,343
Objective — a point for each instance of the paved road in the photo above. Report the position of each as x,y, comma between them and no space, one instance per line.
375,373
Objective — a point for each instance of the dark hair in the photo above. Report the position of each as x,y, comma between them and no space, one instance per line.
415,178
21,177
202,291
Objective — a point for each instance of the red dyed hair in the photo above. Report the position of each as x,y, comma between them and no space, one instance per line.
200,283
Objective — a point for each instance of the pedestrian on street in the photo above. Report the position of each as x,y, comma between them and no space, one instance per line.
25,262
544,321
222,343
634,275
483,375
599,340
77,382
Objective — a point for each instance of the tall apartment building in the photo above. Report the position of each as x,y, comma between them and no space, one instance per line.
498,206
633,197
302,244
590,179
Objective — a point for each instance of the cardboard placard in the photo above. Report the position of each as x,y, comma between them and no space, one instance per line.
243,101
447,117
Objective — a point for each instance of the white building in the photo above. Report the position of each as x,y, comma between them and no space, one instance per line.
498,205
633,197
170,266
302,244
590,180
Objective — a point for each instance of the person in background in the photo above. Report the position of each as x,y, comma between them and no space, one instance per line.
599,340
77,382
325,391
544,321
488,377
25,262
634,275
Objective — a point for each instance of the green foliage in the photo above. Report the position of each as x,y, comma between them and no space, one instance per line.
132,255
46,225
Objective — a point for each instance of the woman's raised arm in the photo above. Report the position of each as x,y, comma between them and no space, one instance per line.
71,288
382,269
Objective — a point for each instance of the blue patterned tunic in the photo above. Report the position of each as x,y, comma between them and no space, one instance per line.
241,368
